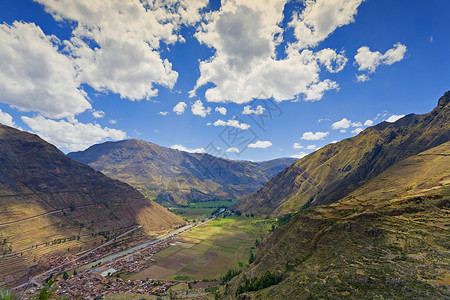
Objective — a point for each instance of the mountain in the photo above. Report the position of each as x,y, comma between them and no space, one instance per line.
46,196
388,239
178,177
336,170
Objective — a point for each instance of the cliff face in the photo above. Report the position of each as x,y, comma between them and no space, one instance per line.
335,170
175,176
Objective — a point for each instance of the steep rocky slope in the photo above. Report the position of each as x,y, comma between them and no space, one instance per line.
46,196
386,240
178,177
335,170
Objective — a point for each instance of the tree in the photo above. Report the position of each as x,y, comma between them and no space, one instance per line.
65,276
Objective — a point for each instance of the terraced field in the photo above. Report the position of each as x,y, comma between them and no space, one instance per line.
208,251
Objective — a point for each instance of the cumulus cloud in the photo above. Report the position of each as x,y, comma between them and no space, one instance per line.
362,78
127,36
163,113
199,110
369,61
300,155
233,149
112,121
260,144
231,123
394,118
244,35
98,114
190,150
6,119
310,136
368,123
357,130
321,18
35,76
180,108
73,135
221,110
259,110
345,124
297,146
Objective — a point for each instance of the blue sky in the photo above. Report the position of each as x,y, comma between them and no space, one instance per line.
251,80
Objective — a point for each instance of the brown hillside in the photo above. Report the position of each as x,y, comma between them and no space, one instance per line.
386,240
178,177
335,170
44,195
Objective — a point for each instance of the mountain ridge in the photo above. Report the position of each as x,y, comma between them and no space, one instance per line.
335,170
387,239
45,197
178,177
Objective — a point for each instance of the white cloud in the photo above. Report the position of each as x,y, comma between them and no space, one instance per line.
163,113
331,60
394,118
345,124
300,155
357,130
362,78
6,119
259,110
73,136
297,146
368,123
185,149
221,110
180,108
231,123
244,35
35,76
369,61
233,149
98,114
199,110
260,144
127,36
112,121
309,136
321,18
322,120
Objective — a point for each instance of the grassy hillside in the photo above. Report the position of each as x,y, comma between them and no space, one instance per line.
48,198
336,170
177,177
388,239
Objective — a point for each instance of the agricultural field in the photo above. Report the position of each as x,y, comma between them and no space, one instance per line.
208,251
200,210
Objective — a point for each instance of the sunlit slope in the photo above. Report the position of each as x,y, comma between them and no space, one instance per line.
336,170
387,239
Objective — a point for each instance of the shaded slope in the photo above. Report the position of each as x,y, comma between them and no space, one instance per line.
176,176
44,195
337,169
388,239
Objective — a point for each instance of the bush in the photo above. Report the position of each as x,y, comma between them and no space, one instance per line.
259,283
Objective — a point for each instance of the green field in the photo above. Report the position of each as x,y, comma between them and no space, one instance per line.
208,251
200,210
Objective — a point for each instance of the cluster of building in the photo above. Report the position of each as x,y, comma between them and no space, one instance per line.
99,282
91,285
